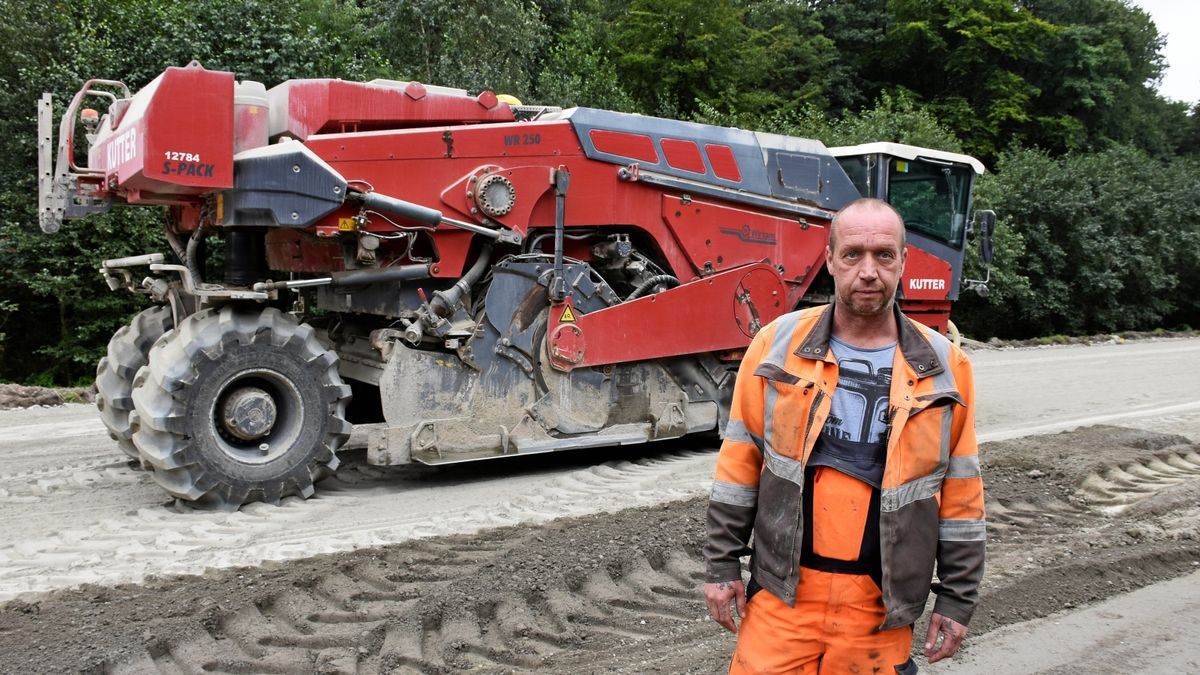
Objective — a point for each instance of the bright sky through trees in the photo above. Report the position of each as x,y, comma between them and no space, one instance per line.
1180,22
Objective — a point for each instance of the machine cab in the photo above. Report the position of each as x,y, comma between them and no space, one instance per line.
931,189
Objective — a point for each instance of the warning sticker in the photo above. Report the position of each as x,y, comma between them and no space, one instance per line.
567,316
347,224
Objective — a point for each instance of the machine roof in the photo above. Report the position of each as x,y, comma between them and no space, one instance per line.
910,152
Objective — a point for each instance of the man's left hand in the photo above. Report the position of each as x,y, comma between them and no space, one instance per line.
952,633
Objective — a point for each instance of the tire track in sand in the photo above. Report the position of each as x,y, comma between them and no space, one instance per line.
421,609
185,541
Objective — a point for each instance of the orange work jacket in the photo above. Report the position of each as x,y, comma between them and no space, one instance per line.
931,500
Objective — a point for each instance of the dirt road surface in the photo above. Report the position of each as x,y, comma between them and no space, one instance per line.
475,567
1151,631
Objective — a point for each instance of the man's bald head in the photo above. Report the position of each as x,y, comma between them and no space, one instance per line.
865,257
859,206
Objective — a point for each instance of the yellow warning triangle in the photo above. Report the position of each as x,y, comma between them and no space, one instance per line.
567,316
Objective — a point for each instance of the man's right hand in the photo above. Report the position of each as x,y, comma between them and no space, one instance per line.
720,597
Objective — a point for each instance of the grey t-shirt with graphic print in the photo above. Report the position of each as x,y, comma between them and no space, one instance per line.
854,438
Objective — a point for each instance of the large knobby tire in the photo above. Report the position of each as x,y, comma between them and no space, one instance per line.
127,353
240,405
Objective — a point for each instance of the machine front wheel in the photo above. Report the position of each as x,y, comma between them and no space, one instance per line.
240,405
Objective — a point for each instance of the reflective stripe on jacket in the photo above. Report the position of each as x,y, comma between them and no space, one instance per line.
931,502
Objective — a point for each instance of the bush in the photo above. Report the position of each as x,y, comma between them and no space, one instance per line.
1089,243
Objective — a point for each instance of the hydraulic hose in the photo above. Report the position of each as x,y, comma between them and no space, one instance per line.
178,246
444,301
651,283
194,260
379,275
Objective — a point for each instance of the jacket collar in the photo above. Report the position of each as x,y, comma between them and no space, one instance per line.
914,346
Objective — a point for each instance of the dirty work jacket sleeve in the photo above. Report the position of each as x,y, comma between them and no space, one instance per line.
734,498
961,531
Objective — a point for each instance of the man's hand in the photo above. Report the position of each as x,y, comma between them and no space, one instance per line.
720,596
952,633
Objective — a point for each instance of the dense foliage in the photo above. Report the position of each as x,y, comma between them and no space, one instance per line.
1095,177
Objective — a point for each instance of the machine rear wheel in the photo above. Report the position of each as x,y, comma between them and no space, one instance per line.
240,405
127,352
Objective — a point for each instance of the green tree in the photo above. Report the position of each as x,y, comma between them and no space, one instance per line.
1177,216
967,59
59,314
581,68
898,118
475,45
786,67
857,29
672,52
1094,79
750,56
1057,74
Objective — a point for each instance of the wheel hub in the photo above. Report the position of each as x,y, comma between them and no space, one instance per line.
249,414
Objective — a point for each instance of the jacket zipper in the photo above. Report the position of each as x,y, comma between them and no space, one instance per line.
812,414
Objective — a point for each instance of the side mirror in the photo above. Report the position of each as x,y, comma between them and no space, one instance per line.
985,225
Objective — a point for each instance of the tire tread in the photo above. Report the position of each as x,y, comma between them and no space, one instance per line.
128,350
162,396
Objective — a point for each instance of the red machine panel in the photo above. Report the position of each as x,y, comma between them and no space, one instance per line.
488,142
755,286
730,307
926,276
175,138
719,237
523,186
936,315
723,162
683,154
399,163
301,108
633,146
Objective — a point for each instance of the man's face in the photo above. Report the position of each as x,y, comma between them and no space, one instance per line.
867,260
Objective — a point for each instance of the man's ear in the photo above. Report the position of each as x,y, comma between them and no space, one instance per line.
828,256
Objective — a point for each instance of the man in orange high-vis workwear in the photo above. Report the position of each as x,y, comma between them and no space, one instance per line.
850,454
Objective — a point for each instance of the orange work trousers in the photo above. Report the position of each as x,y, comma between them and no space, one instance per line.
833,629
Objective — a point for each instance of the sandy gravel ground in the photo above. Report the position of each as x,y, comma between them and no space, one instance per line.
472,567
1150,631
75,512
1077,518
